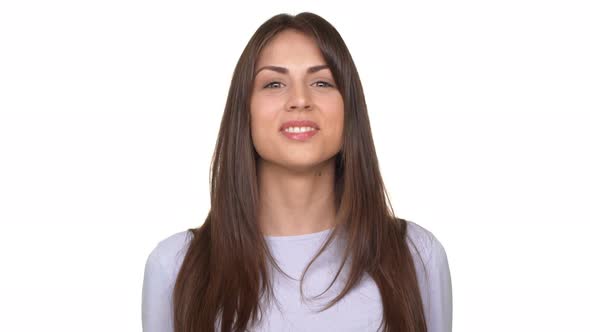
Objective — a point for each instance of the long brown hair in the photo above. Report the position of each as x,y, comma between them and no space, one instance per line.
224,275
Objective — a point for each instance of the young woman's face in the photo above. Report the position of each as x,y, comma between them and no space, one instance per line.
295,93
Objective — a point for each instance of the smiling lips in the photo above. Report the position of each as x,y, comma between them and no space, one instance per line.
299,123
299,130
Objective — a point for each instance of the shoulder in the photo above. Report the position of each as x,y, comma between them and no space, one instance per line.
435,280
423,242
168,254
161,268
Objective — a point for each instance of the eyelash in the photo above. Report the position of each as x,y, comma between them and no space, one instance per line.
328,85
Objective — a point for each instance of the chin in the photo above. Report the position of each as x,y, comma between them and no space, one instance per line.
306,163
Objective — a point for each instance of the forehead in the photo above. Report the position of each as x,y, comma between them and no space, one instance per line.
290,47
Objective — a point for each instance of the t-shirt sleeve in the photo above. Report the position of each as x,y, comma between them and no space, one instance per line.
156,304
439,307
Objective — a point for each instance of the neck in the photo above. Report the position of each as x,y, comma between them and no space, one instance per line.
295,202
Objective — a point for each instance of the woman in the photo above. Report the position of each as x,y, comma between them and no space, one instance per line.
300,235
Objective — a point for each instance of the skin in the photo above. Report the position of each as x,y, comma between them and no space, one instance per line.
295,178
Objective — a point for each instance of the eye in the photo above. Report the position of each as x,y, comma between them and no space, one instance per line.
326,84
271,84
323,84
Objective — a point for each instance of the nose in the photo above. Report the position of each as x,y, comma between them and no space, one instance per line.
299,99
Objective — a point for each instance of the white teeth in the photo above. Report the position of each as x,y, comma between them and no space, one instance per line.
299,129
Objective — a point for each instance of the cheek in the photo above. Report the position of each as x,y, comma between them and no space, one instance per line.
335,117
261,126
338,130
260,113
260,118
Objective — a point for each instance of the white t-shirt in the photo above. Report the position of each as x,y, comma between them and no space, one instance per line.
359,310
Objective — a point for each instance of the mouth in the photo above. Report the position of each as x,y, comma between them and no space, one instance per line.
299,136
299,126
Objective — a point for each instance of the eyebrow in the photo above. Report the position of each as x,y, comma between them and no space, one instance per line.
284,70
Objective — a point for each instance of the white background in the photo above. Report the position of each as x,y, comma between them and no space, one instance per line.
109,112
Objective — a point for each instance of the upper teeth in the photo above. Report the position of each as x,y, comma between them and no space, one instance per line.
298,129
